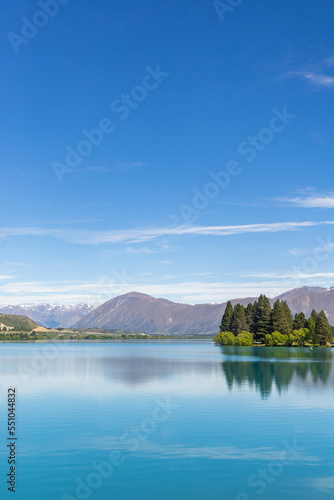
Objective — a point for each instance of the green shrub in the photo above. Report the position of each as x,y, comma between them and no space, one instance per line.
276,338
302,336
244,339
268,339
291,340
225,338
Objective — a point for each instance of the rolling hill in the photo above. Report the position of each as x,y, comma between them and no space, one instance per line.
12,321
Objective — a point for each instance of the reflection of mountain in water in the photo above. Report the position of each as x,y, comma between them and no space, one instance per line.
135,371
128,370
262,367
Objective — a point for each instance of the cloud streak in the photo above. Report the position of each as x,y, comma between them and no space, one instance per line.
190,292
301,275
317,76
317,79
312,201
140,251
139,235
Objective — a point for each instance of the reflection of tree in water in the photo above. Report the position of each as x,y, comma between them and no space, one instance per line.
301,370
283,373
320,371
261,367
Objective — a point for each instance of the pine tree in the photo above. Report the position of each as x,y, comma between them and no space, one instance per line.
311,326
300,321
277,317
314,315
323,332
281,318
262,318
225,325
288,319
312,321
252,326
249,315
239,321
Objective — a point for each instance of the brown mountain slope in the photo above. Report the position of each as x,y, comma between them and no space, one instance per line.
137,311
307,298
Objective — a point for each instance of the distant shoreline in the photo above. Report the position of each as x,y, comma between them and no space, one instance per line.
107,341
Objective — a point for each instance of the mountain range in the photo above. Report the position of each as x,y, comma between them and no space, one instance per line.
48,315
137,311
141,312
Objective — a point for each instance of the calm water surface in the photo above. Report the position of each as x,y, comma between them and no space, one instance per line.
169,421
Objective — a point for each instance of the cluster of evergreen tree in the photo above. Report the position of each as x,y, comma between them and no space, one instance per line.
263,321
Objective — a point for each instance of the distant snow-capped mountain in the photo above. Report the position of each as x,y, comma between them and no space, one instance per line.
50,315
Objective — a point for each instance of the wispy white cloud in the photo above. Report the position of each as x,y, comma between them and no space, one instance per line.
142,251
308,198
191,292
324,484
318,79
313,201
293,275
317,75
296,251
138,235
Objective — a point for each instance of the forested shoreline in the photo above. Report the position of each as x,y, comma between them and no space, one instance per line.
259,323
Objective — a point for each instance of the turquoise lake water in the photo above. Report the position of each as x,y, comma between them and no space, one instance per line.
163,421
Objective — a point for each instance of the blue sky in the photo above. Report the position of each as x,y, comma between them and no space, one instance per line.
180,149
